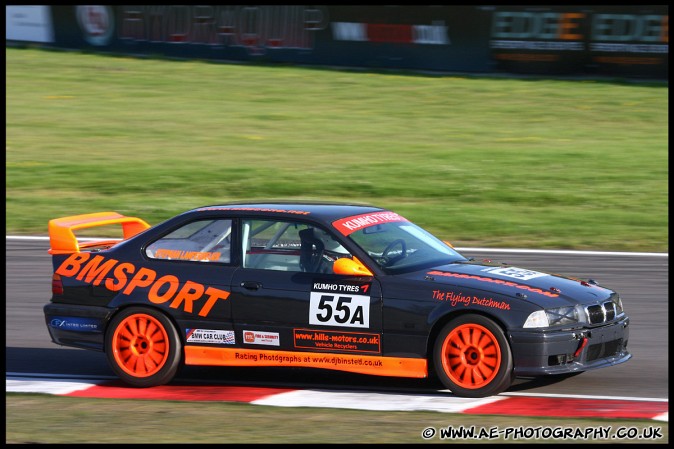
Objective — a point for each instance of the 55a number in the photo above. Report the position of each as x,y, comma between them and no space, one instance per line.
331,310
341,312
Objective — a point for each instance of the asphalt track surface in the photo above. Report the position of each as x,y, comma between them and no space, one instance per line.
641,280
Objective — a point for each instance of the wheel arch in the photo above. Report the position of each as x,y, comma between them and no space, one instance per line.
449,316
172,319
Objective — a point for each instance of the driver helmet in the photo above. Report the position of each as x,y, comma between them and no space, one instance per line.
329,242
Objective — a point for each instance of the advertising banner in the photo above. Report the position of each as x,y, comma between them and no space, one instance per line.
28,23
578,40
423,37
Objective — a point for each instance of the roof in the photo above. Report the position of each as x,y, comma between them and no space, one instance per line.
321,210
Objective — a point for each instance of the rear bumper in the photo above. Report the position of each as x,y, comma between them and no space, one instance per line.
559,352
77,326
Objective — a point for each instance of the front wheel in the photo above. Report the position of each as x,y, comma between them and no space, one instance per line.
472,357
143,347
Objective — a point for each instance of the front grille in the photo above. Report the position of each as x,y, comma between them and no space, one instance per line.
595,314
601,313
609,310
607,349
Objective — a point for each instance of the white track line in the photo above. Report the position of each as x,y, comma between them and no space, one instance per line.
373,401
29,385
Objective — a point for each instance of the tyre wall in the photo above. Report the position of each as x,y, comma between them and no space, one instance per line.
572,40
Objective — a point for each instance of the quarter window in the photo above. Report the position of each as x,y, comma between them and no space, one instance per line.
197,241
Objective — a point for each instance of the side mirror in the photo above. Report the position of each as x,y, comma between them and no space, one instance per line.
351,267
448,244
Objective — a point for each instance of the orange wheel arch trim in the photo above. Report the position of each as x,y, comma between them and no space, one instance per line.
471,356
140,345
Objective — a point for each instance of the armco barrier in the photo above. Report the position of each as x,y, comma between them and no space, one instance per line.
624,41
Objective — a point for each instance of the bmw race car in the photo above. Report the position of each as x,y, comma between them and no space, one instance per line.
335,286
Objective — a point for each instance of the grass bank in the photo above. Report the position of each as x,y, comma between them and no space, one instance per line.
36,418
478,161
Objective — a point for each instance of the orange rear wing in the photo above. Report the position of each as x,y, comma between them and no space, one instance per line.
61,230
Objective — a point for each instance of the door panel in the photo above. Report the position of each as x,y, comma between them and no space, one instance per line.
309,311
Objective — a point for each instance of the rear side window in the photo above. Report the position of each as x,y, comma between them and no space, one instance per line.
197,241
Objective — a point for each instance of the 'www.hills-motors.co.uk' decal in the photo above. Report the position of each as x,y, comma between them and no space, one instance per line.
337,340
339,304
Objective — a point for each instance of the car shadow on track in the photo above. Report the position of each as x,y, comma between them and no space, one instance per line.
73,362
524,384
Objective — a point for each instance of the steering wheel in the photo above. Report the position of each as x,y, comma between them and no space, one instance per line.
386,260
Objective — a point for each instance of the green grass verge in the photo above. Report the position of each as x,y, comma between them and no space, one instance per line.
36,418
561,164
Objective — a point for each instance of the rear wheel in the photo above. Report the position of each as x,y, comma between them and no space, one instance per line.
143,347
472,357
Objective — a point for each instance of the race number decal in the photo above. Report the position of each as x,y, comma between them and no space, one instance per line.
517,273
339,304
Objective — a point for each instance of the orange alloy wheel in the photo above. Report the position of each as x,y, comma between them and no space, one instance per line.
471,356
140,345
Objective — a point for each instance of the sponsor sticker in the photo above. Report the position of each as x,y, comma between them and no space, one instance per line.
355,363
176,254
514,272
76,324
493,281
125,277
337,341
456,299
339,304
352,224
261,338
212,336
257,209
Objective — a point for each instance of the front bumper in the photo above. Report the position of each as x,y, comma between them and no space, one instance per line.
539,352
77,326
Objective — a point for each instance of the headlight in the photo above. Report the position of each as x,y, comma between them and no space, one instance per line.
552,317
537,319
618,304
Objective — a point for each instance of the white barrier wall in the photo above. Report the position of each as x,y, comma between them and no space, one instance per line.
29,23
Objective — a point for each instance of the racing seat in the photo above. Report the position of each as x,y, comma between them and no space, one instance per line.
311,250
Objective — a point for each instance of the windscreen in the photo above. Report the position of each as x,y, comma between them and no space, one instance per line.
401,246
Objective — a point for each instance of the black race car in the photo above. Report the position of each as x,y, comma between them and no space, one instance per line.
335,286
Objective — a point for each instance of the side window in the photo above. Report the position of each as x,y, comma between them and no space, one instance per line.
198,241
289,246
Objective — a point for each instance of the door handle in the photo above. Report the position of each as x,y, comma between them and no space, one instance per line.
251,285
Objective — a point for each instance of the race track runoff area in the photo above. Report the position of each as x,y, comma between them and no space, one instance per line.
513,404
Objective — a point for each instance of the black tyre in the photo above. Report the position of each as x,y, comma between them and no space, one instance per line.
143,347
472,357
